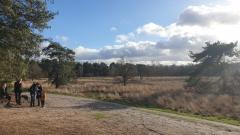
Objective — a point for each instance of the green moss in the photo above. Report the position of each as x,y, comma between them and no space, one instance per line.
189,115
99,116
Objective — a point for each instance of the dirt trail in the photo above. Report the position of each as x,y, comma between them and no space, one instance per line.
80,116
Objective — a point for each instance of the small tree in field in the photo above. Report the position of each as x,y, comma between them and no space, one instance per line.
60,63
141,70
126,71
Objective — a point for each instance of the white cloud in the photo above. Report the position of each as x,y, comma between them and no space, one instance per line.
113,28
195,26
86,53
208,16
232,3
152,29
44,44
125,38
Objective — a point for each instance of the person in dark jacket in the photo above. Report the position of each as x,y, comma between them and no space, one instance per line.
18,91
4,93
33,92
39,93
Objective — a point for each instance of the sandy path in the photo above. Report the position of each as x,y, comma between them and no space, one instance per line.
80,116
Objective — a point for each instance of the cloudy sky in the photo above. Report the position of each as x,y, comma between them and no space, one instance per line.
146,31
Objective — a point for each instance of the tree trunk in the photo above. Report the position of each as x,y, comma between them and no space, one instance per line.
124,80
56,82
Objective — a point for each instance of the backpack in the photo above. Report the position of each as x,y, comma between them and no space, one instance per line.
39,92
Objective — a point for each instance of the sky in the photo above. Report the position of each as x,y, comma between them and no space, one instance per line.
142,31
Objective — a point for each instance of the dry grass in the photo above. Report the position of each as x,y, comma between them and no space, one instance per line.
164,92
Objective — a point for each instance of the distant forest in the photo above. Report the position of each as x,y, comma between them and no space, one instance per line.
87,69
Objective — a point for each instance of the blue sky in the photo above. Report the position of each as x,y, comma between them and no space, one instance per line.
88,22
143,31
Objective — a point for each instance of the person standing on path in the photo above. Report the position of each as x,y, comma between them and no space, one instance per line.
4,93
18,91
33,91
39,93
43,97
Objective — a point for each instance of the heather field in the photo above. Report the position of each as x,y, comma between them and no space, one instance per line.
154,92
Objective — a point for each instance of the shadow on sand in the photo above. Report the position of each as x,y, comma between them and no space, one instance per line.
93,105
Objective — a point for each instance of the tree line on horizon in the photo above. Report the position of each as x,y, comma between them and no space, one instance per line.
45,67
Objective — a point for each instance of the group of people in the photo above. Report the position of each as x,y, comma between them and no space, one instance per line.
36,92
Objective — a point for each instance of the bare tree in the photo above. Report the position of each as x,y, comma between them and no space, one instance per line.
126,71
